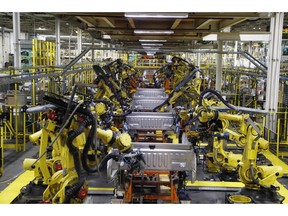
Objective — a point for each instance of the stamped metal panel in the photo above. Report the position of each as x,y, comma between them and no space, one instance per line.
150,92
153,145
149,120
146,103
161,160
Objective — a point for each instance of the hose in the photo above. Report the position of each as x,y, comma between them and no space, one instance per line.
122,115
177,88
254,181
74,151
57,136
104,161
218,96
107,103
89,143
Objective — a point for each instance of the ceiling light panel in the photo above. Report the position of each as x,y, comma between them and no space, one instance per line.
147,40
153,32
151,44
157,15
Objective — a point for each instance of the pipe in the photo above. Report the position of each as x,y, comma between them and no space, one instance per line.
104,161
122,115
254,181
75,153
41,108
89,143
177,88
217,94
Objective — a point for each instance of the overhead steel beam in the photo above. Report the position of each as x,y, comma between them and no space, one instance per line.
229,23
109,22
204,24
176,23
84,20
194,30
131,22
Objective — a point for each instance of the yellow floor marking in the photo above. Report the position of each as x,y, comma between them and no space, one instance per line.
13,190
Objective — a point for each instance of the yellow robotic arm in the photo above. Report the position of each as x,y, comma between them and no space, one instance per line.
252,175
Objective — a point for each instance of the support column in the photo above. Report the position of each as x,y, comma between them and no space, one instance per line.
273,72
219,67
102,51
16,33
250,52
3,46
198,63
79,42
109,51
58,48
93,51
235,56
113,53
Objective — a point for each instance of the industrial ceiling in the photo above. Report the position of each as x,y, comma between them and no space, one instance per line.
131,30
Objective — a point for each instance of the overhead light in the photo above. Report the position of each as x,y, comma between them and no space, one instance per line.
210,37
148,44
41,29
151,48
144,40
153,32
106,37
235,37
254,37
156,15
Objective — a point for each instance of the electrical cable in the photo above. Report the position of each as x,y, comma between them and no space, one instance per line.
57,136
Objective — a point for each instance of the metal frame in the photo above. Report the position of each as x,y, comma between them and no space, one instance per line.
150,120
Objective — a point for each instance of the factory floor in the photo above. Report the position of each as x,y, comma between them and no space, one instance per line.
101,191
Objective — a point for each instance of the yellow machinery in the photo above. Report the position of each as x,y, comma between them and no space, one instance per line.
68,145
209,123
109,89
186,92
171,74
124,75
61,169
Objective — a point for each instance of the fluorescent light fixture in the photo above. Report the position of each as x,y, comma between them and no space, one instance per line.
210,37
148,44
61,36
254,37
41,29
144,40
151,48
106,37
234,37
156,15
153,32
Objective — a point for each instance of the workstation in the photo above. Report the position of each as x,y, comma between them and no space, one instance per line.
143,107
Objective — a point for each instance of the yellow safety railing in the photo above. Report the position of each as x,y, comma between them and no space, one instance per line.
279,139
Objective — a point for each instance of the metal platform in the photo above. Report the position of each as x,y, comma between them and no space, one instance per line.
150,92
159,157
149,120
146,104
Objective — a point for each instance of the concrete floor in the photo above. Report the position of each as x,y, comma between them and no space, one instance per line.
13,163
13,167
